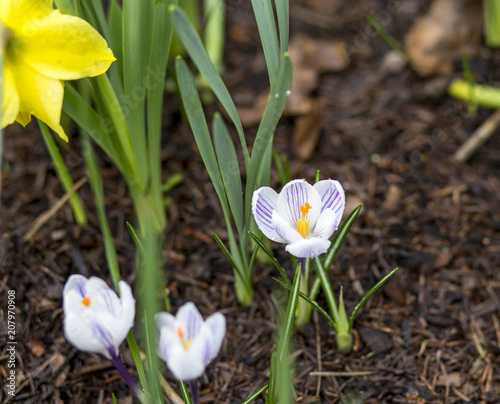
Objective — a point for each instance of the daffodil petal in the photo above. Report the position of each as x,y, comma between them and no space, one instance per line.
65,47
40,96
308,248
18,14
294,195
10,98
5,7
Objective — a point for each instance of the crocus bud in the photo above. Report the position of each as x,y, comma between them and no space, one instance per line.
187,343
95,318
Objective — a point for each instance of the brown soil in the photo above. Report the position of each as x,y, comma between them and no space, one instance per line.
431,336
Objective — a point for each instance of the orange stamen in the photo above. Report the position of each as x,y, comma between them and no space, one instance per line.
86,301
303,225
187,343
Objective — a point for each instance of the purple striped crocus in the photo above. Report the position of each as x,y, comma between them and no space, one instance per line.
95,318
187,343
303,216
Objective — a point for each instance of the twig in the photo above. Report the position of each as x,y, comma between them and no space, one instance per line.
343,374
44,217
481,135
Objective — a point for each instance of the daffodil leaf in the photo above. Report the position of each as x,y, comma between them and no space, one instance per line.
230,170
264,16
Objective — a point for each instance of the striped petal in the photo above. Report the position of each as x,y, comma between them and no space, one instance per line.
264,202
190,320
332,195
294,195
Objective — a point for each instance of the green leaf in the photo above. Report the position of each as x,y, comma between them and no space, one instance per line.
198,123
264,16
368,295
283,12
281,270
136,355
311,302
339,237
185,393
230,170
272,113
255,395
116,38
193,45
226,252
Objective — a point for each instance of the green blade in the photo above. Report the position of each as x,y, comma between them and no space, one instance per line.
229,168
193,45
264,16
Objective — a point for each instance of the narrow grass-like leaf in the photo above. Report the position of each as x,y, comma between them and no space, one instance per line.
214,34
229,256
142,252
272,114
136,355
150,346
283,12
255,395
311,302
198,123
275,262
65,6
89,120
229,168
63,174
264,176
264,15
193,45
339,237
282,169
185,393
97,191
368,295
137,33
327,288
116,39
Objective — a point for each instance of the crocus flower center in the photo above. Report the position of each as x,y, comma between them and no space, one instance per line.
86,301
303,225
185,343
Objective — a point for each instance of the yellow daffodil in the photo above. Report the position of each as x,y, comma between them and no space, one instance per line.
42,48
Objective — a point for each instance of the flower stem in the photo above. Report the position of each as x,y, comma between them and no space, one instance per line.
194,392
118,364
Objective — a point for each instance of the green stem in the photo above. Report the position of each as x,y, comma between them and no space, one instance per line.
287,327
327,289
63,174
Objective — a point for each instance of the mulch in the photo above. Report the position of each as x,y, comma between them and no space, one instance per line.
431,335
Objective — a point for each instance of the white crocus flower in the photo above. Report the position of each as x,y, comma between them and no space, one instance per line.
303,216
187,343
95,318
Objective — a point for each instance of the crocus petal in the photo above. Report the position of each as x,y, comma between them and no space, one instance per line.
328,222
184,365
64,47
10,98
84,336
264,202
332,195
39,96
126,322
308,248
217,325
294,195
17,14
75,282
285,230
190,320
